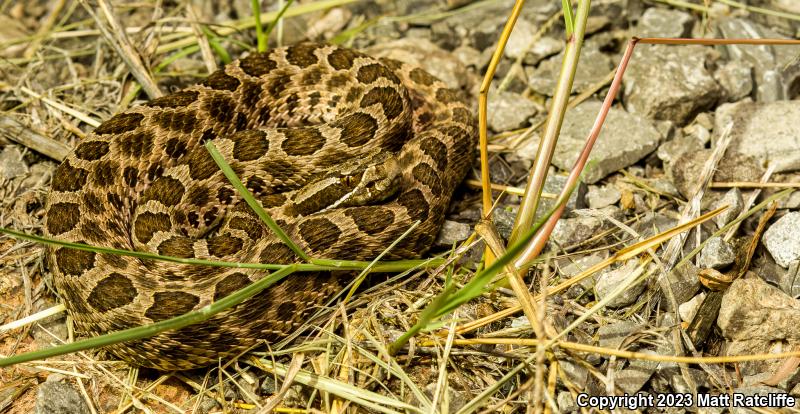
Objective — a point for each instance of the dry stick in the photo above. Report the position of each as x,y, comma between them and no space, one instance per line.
750,200
202,40
118,39
541,309
13,130
500,187
483,97
63,108
746,184
41,34
624,354
485,229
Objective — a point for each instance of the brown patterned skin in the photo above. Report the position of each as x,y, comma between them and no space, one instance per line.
294,124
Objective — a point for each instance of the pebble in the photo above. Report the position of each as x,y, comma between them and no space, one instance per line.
602,196
735,202
610,280
716,254
767,132
671,83
781,239
55,397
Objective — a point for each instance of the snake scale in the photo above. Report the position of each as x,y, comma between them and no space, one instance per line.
344,150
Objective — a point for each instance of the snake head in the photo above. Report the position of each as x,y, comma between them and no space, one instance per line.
364,181
376,180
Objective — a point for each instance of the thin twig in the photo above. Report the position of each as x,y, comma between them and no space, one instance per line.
116,36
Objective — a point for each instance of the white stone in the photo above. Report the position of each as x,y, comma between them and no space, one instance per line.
782,239
769,132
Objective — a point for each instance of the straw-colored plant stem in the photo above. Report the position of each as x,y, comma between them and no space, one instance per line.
483,97
552,128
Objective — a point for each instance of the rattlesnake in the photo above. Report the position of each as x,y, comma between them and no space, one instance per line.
313,131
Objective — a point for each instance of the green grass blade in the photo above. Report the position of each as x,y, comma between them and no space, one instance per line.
317,266
213,41
139,255
146,331
451,298
251,201
261,39
569,17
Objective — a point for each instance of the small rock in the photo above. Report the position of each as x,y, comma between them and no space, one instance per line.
663,184
698,133
614,334
330,24
653,223
504,220
602,196
11,163
59,398
755,317
577,266
446,36
782,241
471,57
520,40
685,171
508,110
485,34
672,83
452,232
657,22
633,377
705,119
609,281
574,371
624,140
733,199
455,398
770,63
688,310
716,254
542,79
570,231
673,149
207,404
736,78
545,47
566,402
683,282
764,131
554,184
786,279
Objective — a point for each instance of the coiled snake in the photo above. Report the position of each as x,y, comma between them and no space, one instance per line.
345,151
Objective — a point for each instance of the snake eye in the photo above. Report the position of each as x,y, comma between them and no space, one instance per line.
349,181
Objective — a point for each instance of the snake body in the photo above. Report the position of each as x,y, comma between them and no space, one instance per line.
345,151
